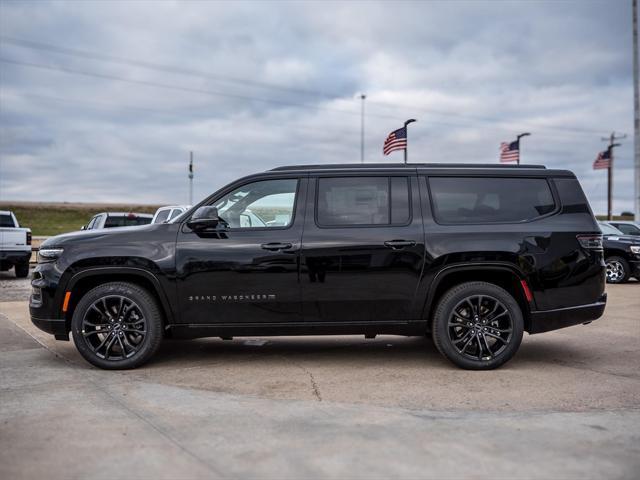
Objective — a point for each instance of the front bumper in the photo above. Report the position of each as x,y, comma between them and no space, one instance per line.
547,320
55,326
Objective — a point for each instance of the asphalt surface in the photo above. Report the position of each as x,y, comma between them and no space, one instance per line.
567,406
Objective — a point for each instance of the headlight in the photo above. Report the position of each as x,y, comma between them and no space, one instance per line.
635,249
49,254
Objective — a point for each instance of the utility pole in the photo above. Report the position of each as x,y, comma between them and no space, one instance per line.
190,178
612,138
406,132
526,134
636,115
362,97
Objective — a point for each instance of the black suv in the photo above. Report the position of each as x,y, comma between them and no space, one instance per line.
472,254
621,253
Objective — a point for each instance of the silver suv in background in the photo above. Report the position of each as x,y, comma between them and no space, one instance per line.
165,214
626,226
117,219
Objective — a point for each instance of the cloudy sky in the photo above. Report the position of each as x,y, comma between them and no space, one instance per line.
103,100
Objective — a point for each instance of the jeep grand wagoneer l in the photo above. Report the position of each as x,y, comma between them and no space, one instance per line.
473,255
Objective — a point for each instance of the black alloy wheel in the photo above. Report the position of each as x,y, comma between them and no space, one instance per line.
478,325
117,326
114,327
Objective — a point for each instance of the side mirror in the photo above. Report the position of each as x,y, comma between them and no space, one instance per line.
203,218
83,227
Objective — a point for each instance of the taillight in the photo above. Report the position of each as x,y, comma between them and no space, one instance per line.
28,238
591,242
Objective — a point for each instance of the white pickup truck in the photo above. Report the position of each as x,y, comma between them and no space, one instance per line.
15,245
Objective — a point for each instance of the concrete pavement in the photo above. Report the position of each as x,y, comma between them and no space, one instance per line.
568,406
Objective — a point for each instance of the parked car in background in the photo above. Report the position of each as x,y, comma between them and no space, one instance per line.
15,245
473,255
621,254
165,214
626,226
117,219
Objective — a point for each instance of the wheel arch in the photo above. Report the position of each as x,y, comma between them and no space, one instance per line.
504,276
85,280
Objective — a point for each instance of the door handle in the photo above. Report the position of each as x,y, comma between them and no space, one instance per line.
275,246
399,244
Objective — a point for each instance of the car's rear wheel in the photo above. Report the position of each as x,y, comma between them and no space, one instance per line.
117,326
617,270
22,270
478,326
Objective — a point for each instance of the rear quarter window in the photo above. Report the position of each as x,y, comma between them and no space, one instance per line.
467,200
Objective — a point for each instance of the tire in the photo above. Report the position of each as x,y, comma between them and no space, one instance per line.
617,270
489,339
22,270
117,326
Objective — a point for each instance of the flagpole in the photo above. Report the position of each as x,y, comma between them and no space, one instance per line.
609,185
518,140
406,132
362,97
190,178
612,138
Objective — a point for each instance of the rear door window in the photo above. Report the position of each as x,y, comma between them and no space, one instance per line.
361,201
490,199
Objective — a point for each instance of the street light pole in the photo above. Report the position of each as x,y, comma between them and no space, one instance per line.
636,114
526,134
362,97
406,132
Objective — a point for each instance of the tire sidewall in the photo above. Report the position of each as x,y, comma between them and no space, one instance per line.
149,309
444,309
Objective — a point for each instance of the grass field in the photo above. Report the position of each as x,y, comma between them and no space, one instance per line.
49,219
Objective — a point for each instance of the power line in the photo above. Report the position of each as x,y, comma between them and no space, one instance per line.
105,76
226,79
155,66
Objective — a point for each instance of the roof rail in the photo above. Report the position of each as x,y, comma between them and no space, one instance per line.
332,166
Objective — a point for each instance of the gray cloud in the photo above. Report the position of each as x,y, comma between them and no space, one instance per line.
262,84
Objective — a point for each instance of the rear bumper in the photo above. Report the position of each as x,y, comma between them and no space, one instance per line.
15,256
57,327
544,321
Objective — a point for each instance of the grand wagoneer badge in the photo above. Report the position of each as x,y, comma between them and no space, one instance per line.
231,298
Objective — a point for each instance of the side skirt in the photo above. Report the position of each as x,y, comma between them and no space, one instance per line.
417,328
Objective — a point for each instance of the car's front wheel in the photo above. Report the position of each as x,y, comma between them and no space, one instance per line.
617,270
117,325
478,325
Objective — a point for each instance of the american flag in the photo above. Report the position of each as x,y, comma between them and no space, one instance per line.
509,152
397,140
603,160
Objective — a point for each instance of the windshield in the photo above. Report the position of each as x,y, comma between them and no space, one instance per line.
609,230
6,220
